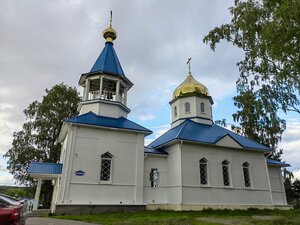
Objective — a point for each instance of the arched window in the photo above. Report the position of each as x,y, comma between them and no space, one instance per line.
202,107
187,107
175,111
246,174
106,167
225,170
203,171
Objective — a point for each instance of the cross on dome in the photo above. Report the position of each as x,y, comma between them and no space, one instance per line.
110,34
189,63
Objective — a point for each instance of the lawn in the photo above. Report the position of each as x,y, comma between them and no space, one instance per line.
206,217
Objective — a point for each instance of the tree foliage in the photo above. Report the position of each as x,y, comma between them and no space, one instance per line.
268,32
20,192
258,118
37,141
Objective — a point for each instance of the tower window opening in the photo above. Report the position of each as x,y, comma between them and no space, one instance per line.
203,171
246,174
187,107
106,167
202,108
225,170
175,111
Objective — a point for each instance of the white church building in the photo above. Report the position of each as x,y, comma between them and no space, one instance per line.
196,164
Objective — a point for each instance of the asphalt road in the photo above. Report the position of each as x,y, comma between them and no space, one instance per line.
51,221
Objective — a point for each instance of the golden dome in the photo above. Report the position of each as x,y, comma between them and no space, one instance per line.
110,34
190,87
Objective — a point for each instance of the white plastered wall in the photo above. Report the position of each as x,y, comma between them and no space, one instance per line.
278,191
84,149
215,193
169,185
194,112
102,108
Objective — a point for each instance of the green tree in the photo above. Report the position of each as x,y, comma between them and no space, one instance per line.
268,32
296,190
20,192
37,141
257,116
288,185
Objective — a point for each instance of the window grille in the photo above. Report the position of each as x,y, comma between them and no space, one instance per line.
106,163
187,107
202,107
225,170
175,111
246,174
154,177
203,171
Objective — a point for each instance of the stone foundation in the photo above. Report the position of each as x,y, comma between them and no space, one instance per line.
189,207
96,209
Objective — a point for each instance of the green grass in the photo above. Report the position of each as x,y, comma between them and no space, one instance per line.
206,217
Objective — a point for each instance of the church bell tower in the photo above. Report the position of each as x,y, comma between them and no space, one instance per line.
106,86
191,100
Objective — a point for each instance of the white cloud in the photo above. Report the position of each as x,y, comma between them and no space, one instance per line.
290,144
157,132
296,174
56,41
146,117
6,179
2,168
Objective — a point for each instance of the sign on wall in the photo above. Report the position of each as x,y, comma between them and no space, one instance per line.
79,173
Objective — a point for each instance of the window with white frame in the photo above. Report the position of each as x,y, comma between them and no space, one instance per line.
154,177
175,111
203,171
106,167
187,107
202,108
225,171
246,174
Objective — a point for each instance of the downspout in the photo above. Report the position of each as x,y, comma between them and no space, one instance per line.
145,156
181,184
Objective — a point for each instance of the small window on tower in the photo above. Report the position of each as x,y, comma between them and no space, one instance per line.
154,177
175,111
187,107
202,108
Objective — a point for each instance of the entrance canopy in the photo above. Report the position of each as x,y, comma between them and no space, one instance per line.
44,170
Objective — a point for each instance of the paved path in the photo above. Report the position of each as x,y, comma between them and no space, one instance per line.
51,221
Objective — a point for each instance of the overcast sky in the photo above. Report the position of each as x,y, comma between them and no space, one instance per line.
43,43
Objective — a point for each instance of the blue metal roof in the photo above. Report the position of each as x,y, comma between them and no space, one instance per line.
45,168
108,61
277,163
150,150
91,118
210,134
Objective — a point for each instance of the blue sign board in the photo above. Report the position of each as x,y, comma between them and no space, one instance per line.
79,173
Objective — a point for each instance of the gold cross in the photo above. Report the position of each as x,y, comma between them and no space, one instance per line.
110,22
189,62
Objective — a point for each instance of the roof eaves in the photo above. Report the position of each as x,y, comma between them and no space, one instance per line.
109,127
277,163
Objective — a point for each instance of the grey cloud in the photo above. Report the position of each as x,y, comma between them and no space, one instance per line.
47,42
